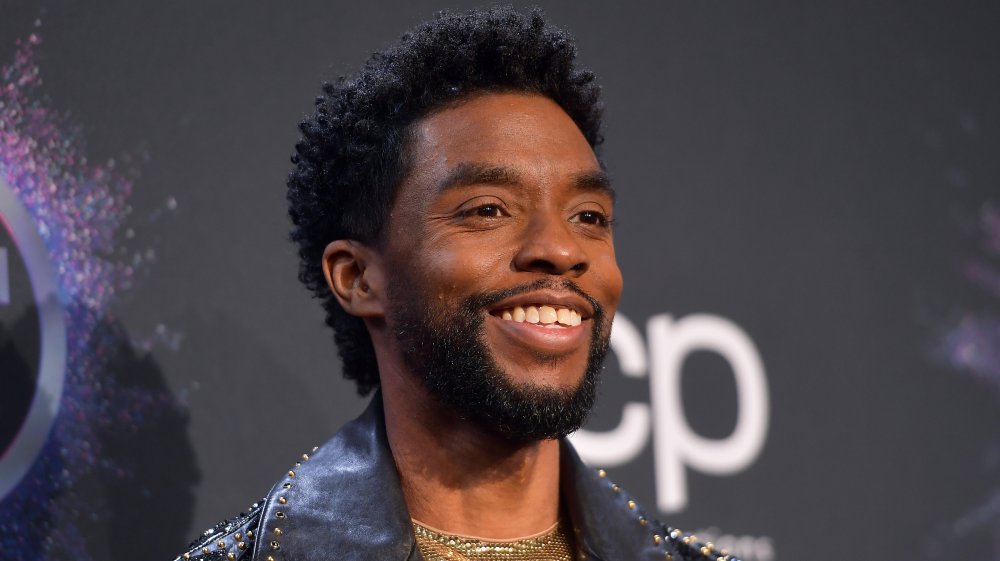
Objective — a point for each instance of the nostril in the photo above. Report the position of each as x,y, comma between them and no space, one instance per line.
553,268
543,265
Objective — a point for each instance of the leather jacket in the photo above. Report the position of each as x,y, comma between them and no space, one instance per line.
343,501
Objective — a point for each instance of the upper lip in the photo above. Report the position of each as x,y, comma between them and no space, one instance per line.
556,299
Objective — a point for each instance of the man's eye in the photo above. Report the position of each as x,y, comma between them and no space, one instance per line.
592,217
488,211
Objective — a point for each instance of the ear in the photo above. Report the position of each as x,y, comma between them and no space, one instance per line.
353,272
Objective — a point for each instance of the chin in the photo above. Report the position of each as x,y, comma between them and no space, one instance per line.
540,380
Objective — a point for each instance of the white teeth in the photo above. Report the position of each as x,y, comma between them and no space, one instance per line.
545,315
563,316
518,314
531,314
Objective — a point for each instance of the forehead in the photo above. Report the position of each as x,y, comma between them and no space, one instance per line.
528,134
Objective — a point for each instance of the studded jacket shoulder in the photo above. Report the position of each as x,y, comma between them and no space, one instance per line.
343,501
227,541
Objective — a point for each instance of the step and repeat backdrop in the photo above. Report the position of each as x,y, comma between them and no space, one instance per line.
806,362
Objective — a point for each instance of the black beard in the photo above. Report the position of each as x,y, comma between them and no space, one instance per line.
447,350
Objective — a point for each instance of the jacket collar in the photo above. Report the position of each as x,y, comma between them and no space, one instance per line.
345,502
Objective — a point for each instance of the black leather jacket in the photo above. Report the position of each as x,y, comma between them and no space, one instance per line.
343,502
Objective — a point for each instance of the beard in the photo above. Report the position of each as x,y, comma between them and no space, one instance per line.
447,350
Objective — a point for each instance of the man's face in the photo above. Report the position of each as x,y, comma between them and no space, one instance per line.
501,264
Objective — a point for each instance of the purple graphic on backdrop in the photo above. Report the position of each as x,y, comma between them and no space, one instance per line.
972,346
78,209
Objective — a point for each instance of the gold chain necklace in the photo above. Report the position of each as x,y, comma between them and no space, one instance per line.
551,545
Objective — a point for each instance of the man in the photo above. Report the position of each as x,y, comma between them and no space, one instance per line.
453,218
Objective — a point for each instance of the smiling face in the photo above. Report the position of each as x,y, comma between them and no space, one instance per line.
500,262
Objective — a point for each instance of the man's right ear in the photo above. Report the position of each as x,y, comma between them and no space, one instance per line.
354,274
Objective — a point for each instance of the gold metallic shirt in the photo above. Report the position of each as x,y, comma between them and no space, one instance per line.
551,545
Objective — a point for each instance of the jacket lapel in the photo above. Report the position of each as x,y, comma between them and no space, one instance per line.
344,501
608,524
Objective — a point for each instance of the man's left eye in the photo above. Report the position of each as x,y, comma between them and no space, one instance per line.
489,211
591,217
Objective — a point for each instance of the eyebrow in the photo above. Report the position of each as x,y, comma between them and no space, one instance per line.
472,173
594,181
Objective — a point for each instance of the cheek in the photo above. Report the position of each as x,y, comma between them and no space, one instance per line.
460,267
608,278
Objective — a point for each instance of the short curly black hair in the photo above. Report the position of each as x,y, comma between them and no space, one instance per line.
352,154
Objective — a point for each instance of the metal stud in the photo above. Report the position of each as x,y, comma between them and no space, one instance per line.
642,520
305,457
631,505
616,488
230,556
221,544
249,534
186,556
602,473
687,539
277,531
669,556
204,551
706,551
241,545
238,536
315,448
291,473
269,558
656,539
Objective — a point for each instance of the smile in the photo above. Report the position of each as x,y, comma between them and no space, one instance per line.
545,315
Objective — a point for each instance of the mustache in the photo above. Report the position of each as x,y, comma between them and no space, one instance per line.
488,299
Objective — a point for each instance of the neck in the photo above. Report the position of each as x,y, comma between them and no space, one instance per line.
462,479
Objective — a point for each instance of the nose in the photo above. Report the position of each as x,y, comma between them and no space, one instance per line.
549,246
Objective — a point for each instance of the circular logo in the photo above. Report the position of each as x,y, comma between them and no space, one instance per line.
32,341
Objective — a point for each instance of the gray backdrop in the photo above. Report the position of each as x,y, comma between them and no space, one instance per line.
821,178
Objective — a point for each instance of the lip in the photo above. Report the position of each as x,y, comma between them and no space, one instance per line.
554,341
555,298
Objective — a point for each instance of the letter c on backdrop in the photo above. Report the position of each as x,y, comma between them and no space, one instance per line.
675,444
